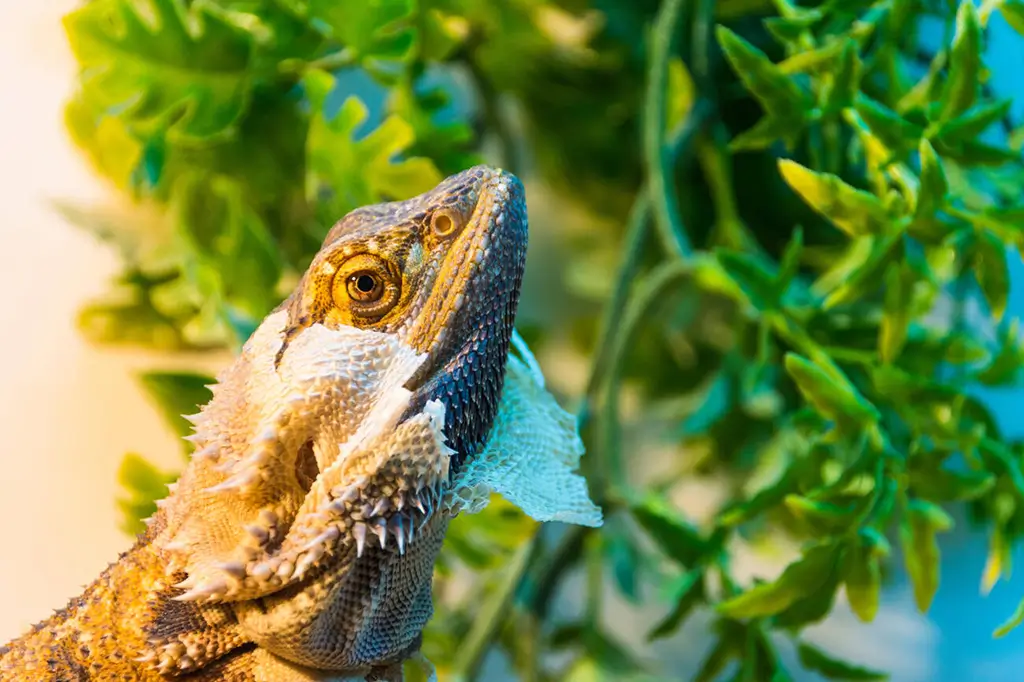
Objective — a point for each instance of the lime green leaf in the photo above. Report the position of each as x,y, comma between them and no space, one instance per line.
145,484
899,289
1013,12
918,527
379,29
998,562
177,394
865,274
680,95
353,173
828,57
188,70
992,271
820,515
675,536
830,391
853,211
1012,623
779,95
799,579
964,63
832,668
934,186
862,575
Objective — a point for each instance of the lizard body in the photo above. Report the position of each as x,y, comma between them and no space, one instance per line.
299,542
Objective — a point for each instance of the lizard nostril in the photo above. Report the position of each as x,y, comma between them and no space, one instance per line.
306,469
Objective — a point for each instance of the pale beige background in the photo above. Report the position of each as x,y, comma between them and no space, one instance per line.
69,411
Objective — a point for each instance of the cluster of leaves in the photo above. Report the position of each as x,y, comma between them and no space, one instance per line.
804,205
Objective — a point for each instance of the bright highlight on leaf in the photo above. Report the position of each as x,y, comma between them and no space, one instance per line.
163,65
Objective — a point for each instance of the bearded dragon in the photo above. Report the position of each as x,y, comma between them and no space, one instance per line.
373,405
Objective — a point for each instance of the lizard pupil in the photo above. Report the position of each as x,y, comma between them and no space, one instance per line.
365,283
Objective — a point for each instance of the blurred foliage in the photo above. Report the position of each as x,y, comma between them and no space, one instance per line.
810,210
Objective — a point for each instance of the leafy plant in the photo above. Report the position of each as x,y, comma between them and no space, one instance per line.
804,205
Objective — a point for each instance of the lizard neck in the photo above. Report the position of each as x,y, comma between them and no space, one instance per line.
97,632
121,627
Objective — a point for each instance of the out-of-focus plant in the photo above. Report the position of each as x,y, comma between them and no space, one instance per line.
810,211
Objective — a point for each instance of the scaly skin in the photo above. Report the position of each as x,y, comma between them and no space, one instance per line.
299,542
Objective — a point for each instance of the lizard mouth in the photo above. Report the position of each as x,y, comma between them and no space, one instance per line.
306,468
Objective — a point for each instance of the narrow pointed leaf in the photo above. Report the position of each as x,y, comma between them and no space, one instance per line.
832,668
800,578
964,64
854,211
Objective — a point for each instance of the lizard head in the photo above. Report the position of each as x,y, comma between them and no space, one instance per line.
441,272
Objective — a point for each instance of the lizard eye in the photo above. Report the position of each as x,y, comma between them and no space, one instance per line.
444,223
366,286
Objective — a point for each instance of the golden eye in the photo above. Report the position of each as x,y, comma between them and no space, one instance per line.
366,287
444,223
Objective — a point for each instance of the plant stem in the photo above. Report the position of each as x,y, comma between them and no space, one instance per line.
491,616
678,145
649,292
660,180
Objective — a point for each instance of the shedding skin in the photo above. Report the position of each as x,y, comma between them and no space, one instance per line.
299,542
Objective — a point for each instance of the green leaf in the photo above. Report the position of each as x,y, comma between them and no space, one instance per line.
992,271
1013,12
676,537
686,593
974,121
934,186
789,266
947,486
781,98
865,272
1012,622
894,131
846,81
345,173
964,64
177,394
625,561
921,521
815,660
229,255
899,290
753,276
799,579
188,70
863,578
831,393
145,484
378,29
854,211
824,517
